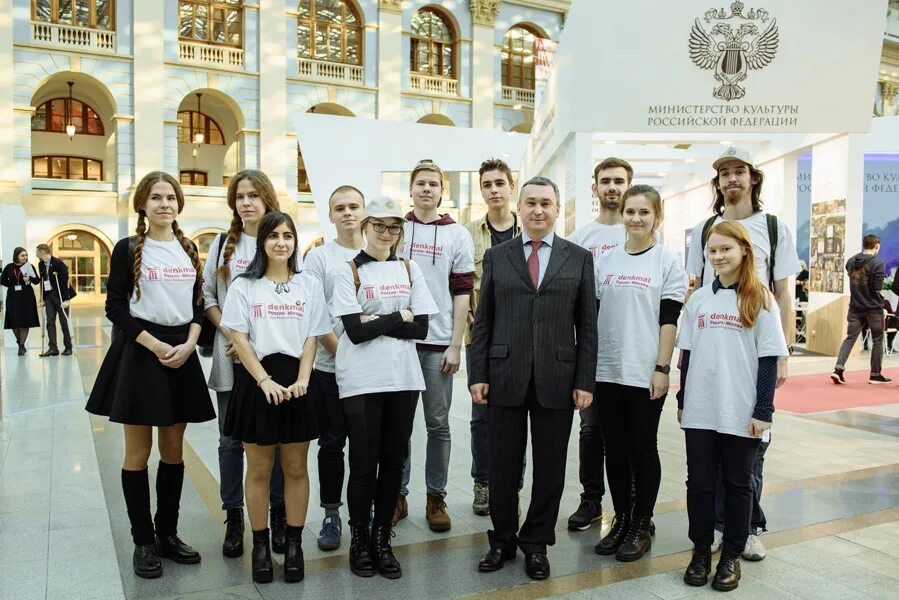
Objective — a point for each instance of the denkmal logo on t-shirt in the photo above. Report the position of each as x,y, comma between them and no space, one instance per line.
387,290
279,311
171,274
597,250
241,264
719,321
640,282
429,250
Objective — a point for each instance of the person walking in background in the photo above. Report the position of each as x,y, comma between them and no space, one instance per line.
21,306
54,276
866,275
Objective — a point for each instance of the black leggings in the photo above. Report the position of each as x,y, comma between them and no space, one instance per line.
630,427
379,427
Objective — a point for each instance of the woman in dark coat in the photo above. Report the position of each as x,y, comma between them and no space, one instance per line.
21,306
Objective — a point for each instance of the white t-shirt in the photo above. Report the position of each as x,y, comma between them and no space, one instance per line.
451,251
276,323
720,391
786,260
384,364
598,238
630,288
320,263
167,279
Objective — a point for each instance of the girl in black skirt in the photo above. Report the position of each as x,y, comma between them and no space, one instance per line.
21,306
151,376
274,315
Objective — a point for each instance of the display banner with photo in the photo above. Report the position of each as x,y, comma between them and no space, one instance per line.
828,259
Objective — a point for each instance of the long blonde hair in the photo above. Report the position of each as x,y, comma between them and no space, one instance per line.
752,295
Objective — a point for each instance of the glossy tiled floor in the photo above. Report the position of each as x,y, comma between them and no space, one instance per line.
831,495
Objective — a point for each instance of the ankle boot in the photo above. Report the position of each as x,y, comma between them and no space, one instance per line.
612,541
637,542
294,567
232,547
169,481
382,552
278,524
360,558
727,573
700,566
262,557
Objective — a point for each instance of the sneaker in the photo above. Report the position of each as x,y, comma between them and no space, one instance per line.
438,518
329,536
401,511
837,377
879,379
755,549
481,503
716,543
588,513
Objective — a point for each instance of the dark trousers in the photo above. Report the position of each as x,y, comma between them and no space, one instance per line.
757,522
591,454
53,306
858,322
508,436
705,451
331,437
630,427
379,427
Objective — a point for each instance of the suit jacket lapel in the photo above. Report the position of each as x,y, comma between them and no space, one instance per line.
557,258
516,257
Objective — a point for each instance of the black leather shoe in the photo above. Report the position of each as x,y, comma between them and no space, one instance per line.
612,541
652,527
382,553
173,548
278,520
294,566
536,565
727,573
637,542
360,556
146,562
697,573
67,352
261,558
494,559
53,352
21,350
232,547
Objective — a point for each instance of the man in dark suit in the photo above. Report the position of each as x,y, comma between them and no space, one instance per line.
55,298
533,354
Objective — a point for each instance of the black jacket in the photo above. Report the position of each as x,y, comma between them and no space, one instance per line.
58,278
866,274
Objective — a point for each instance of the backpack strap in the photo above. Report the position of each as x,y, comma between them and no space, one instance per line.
408,269
772,239
356,281
218,254
706,227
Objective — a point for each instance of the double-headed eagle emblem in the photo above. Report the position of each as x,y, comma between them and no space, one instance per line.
733,45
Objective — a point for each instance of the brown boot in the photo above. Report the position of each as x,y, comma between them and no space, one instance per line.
401,511
438,518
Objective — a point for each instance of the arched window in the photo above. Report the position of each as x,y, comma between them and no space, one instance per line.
519,58
433,44
87,259
51,116
329,30
193,122
95,14
214,21
67,167
204,241
194,177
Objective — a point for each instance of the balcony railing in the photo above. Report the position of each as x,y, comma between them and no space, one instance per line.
440,86
78,37
206,54
518,96
330,71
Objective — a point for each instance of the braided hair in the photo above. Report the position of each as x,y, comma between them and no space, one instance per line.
266,191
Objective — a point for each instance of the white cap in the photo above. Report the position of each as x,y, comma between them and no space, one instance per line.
734,153
383,207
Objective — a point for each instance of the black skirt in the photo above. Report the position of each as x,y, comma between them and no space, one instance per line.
250,418
133,388
21,308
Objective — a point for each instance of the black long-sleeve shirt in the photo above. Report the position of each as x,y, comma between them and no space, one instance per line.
391,325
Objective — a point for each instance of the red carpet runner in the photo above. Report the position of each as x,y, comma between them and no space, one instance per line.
817,393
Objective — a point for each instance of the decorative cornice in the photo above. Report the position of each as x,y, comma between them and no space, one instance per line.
484,12
888,90
392,5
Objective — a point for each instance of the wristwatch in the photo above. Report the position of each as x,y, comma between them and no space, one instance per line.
666,369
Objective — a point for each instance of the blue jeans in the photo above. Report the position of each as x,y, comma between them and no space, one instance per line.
435,401
231,465
757,522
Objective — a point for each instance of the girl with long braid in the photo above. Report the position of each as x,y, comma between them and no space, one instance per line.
151,375
251,196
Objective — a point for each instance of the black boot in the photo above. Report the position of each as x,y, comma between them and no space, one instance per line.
612,541
169,481
727,573
360,557
278,525
136,488
232,547
262,557
637,541
700,566
294,567
382,552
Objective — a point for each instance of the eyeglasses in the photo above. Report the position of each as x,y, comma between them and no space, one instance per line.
382,227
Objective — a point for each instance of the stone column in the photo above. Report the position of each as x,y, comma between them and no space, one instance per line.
149,75
273,91
391,61
483,84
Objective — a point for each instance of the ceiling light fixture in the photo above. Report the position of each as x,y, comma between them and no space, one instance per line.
70,127
199,137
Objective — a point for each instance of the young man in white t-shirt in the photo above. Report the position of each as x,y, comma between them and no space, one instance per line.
443,250
737,189
346,207
611,178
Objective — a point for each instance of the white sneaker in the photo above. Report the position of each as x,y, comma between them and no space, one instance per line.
716,544
755,549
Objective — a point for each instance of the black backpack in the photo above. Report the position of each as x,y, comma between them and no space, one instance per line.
772,239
